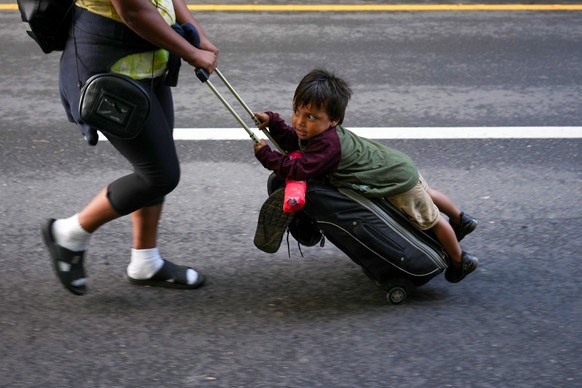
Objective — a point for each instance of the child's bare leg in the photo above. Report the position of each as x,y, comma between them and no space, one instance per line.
445,205
446,235
462,263
462,223
424,211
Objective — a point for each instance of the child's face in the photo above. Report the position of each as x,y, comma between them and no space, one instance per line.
310,122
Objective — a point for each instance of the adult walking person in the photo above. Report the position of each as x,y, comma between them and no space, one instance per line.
134,38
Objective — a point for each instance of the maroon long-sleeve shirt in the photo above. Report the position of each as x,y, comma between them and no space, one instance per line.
321,154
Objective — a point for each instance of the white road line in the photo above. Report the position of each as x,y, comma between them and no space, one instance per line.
404,133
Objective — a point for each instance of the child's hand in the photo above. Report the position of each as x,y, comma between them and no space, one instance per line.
260,145
263,119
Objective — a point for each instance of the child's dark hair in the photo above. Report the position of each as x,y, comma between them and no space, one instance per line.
323,90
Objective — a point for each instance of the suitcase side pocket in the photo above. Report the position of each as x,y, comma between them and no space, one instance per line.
377,241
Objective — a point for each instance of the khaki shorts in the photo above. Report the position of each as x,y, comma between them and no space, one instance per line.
417,205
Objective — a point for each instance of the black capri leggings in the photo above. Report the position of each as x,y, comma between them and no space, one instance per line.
152,154
94,44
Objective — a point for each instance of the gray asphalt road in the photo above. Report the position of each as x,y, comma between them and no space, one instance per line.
314,321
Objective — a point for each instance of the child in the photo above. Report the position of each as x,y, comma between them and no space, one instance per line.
347,160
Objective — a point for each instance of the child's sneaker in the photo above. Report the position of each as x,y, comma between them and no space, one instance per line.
466,226
456,273
272,223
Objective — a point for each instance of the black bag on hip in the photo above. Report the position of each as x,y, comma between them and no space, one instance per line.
114,104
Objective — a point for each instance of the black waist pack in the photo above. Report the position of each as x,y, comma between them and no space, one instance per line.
114,104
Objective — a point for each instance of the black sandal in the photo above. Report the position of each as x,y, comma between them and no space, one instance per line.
68,264
170,276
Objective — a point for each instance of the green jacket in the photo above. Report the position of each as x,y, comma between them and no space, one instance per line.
372,168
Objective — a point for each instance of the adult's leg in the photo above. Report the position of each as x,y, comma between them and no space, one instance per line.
157,166
147,267
146,260
145,226
153,156
146,220
97,213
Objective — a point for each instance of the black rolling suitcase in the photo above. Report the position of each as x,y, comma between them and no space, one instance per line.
371,232
375,235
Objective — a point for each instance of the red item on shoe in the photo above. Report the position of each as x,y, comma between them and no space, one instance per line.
294,191
294,196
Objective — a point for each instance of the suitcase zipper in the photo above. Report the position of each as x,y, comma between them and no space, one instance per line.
437,258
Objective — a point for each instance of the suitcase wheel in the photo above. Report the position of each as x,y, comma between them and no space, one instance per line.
398,289
396,295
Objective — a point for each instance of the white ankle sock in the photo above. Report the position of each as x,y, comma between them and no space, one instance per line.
192,276
144,263
69,234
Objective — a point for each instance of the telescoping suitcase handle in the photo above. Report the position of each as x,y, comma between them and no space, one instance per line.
203,76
